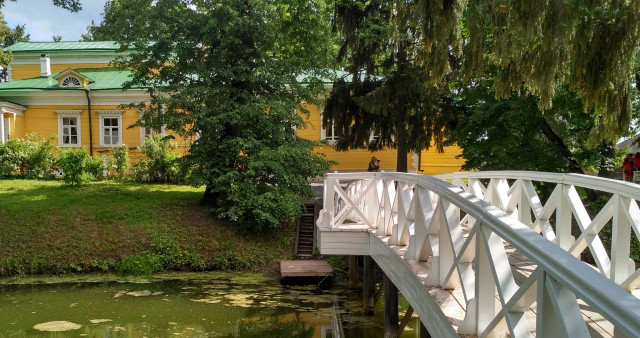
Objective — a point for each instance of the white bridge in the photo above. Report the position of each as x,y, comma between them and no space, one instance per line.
481,254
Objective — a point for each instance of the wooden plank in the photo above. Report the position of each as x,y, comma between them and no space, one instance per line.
305,268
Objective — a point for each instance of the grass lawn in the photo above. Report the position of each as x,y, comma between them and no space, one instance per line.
47,227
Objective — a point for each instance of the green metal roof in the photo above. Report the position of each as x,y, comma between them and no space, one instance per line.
103,79
64,46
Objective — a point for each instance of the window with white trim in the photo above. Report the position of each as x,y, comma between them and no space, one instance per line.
69,134
146,131
70,82
110,127
330,134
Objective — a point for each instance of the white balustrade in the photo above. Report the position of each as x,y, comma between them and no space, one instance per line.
468,227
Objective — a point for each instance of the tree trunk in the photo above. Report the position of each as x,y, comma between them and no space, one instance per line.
607,159
209,198
557,141
403,150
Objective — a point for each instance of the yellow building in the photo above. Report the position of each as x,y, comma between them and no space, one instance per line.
68,89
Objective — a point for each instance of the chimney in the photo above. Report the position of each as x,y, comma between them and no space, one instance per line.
45,66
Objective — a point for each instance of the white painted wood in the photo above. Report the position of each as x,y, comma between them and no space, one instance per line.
422,216
2,129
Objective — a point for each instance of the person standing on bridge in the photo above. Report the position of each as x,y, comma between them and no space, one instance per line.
374,165
627,167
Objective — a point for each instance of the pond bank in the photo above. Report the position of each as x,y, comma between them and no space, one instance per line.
49,228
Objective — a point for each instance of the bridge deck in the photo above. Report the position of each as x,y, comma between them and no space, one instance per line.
452,302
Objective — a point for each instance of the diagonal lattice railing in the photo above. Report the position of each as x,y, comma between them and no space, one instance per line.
467,230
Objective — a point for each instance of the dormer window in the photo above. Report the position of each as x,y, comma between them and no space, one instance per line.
70,82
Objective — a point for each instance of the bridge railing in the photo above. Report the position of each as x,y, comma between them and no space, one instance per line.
467,228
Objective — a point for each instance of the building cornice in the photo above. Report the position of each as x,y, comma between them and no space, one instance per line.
76,97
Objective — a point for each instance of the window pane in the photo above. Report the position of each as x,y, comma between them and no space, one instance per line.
65,121
107,122
74,131
106,140
74,139
115,135
65,131
65,140
114,122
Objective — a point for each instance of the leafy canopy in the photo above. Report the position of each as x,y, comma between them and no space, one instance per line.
230,75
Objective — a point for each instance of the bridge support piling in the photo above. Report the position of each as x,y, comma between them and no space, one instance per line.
369,289
353,272
391,324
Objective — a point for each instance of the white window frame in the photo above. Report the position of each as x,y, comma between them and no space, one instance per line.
110,114
69,114
331,138
143,131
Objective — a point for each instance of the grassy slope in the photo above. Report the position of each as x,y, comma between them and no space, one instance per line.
46,227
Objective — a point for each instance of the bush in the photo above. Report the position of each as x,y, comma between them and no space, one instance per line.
162,163
120,163
143,264
30,158
96,166
74,165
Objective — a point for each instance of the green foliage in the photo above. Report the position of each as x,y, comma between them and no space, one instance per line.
96,167
120,163
173,257
32,157
339,264
401,106
74,164
162,163
513,133
146,263
8,37
237,72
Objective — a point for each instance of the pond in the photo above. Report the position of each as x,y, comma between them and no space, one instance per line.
204,305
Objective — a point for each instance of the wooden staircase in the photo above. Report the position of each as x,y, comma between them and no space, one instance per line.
305,235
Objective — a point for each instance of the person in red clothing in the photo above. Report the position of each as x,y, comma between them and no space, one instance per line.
627,167
636,162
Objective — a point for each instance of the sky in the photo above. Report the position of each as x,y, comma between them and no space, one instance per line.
44,20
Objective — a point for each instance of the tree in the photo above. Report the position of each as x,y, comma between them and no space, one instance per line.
122,20
8,37
394,99
227,74
533,48
514,133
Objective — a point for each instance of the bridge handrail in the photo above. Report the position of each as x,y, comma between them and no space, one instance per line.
614,303
626,189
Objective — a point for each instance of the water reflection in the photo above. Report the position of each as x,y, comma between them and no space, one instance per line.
216,306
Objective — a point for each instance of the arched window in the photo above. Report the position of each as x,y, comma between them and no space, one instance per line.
70,81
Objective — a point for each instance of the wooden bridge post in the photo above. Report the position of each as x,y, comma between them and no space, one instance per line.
391,324
353,272
369,290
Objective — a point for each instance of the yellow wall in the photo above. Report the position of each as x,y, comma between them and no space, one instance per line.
432,162
19,72
44,120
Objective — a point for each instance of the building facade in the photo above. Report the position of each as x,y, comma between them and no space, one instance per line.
69,91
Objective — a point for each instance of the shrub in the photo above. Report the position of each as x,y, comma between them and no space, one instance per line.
162,163
32,157
96,166
73,163
120,163
146,263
